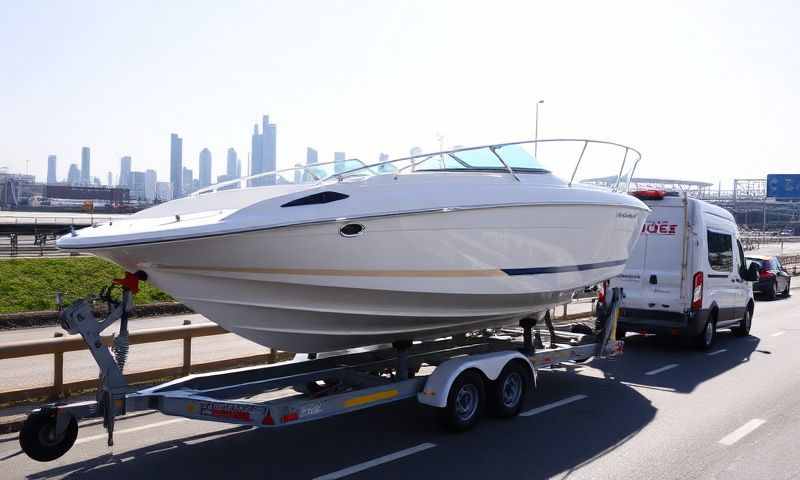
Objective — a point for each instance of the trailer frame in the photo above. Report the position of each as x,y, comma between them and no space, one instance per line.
503,361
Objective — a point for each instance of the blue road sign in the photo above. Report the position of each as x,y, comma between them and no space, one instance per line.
783,185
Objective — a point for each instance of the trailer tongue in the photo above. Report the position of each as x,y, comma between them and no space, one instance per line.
461,376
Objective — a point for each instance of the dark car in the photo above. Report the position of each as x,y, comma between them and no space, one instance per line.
772,277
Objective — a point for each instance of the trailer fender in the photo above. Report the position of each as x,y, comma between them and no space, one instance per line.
438,384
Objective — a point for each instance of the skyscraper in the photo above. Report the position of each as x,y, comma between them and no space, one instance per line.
74,175
137,185
270,133
125,172
205,167
176,165
150,181
86,177
51,169
232,170
110,179
255,152
338,162
163,191
186,181
311,156
263,147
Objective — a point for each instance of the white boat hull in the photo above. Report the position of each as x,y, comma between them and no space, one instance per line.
306,288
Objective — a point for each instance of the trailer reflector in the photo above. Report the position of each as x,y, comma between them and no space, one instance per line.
373,397
290,417
268,419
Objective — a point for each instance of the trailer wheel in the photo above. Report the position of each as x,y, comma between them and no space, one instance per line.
464,402
39,440
507,393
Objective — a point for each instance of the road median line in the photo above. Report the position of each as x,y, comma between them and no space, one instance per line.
662,369
375,462
553,405
741,432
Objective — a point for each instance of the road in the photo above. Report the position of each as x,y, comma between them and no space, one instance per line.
662,411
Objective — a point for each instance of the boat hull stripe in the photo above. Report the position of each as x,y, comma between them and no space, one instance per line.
400,273
563,269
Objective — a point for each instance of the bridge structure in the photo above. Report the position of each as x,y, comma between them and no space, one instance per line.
34,233
747,200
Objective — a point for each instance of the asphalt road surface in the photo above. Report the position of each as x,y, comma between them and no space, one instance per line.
660,411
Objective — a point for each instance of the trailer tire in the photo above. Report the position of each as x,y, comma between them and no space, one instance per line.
465,402
39,440
507,393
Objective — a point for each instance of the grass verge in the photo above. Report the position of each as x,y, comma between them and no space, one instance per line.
30,284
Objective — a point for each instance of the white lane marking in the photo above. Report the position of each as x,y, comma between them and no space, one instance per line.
103,436
711,354
662,369
778,334
741,432
375,462
553,405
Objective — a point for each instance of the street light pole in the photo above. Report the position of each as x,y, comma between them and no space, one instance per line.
536,133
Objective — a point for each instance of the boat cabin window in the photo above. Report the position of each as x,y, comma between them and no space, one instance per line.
515,156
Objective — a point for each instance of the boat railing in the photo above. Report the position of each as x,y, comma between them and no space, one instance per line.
452,160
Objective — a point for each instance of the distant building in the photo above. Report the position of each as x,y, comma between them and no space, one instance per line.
125,172
186,182
263,145
138,186
86,166
338,161
176,165
110,179
96,182
74,175
51,169
232,166
150,182
204,175
311,156
163,191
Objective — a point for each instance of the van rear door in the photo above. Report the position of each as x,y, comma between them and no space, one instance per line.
654,275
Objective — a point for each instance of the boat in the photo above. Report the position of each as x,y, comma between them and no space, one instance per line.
337,255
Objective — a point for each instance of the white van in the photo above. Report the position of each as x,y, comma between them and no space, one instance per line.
687,275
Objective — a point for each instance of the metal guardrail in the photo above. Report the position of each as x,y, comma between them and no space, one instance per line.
89,220
59,345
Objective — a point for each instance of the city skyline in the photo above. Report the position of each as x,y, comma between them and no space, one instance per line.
329,87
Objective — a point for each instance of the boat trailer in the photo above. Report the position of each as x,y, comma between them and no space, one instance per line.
461,375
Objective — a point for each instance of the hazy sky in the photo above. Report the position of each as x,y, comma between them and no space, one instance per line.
706,90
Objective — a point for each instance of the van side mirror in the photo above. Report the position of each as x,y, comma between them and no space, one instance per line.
751,274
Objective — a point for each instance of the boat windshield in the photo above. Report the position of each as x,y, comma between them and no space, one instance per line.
573,159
